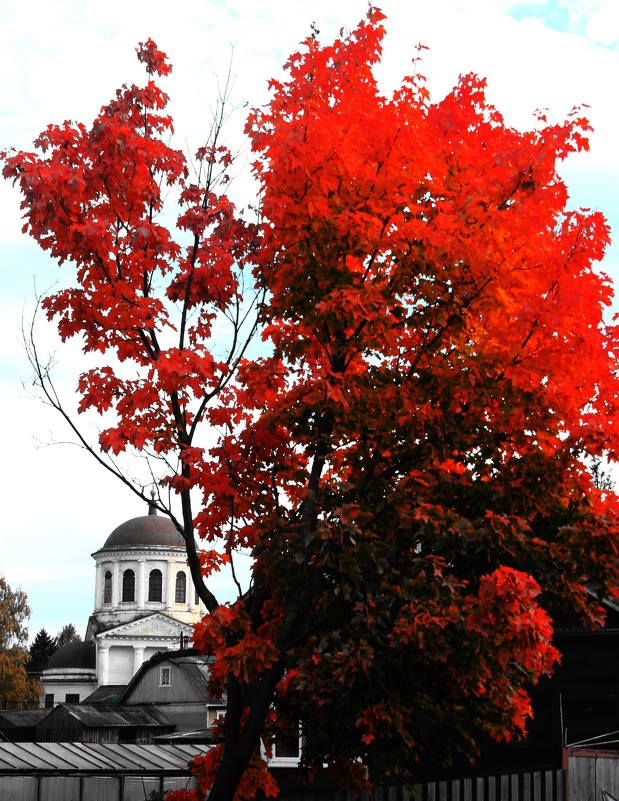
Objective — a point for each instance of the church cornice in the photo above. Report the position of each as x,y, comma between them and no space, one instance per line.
172,637
159,550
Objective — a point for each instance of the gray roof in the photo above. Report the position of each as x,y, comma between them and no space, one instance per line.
110,716
105,694
96,758
22,717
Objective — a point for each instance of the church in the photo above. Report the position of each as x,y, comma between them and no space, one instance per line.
144,603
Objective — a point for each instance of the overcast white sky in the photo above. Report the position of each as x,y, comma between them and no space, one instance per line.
62,59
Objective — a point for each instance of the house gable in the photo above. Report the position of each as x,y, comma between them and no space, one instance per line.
161,683
173,678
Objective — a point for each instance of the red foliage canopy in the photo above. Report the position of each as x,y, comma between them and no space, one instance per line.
407,465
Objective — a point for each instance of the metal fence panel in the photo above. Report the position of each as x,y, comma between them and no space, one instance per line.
101,788
18,788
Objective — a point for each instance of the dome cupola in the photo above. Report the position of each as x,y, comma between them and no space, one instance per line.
75,655
142,569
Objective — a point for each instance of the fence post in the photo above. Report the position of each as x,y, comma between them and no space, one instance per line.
526,787
548,782
561,796
537,786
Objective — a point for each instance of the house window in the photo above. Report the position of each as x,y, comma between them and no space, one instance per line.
180,595
107,588
155,584
286,745
165,676
72,698
129,586
49,700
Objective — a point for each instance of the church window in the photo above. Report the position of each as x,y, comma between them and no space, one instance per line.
49,700
72,698
129,586
107,588
155,583
165,676
180,595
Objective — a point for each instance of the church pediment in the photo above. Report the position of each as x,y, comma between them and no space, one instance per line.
156,625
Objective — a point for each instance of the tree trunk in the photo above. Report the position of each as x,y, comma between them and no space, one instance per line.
243,733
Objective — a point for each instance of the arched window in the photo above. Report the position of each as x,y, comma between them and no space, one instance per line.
129,586
107,588
154,585
180,595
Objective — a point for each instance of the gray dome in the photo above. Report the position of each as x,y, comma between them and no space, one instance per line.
74,654
147,530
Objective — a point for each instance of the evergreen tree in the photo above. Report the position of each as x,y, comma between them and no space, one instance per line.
41,651
66,635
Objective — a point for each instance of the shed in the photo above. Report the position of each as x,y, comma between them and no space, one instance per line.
19,725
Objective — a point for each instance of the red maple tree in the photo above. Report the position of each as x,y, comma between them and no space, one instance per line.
407,463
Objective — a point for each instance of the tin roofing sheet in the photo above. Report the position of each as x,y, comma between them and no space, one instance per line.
95,758
22,717
101,715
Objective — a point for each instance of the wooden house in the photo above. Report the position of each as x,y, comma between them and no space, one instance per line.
176,683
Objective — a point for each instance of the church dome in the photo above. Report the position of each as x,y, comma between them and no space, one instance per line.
76,654
147,530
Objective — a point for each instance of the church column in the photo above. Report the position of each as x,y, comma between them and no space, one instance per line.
141,583
103,663
98,593
138,657
116,596
189,592
170,586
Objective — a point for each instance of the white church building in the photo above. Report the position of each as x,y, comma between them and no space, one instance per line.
144,603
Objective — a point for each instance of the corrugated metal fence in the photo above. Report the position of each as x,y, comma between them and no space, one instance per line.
527,786
86,788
